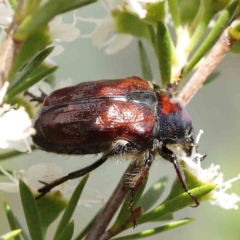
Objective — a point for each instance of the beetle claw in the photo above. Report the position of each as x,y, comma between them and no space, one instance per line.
34,98
42,182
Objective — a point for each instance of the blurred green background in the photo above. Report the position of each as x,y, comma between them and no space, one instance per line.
215,109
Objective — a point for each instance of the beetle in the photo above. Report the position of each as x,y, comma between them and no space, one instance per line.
114,117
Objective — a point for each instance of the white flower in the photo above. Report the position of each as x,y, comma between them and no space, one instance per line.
104,35
62,32
15,129
47,172
218,196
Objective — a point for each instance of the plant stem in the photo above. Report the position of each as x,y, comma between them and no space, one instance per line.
105,216
9,49
7,53
173,8
217,53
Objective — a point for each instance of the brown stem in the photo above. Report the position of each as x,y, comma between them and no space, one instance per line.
7,54
105,216
9,49
217,53
126,225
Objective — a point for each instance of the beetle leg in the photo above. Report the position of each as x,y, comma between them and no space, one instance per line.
79,173
170,156
35,98
136,185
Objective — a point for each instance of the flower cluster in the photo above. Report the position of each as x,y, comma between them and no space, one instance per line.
218,196
15,135
104,35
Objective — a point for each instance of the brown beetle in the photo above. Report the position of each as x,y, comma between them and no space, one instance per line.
114,117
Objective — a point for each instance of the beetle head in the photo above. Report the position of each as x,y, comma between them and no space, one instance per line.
175,125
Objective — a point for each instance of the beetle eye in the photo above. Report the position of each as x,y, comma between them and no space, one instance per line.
189,132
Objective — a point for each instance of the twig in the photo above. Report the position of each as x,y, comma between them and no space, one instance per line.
217,53
9,50
7,54
105,216
109,233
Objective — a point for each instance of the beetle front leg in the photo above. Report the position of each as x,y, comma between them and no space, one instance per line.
170,156
138,182
34,98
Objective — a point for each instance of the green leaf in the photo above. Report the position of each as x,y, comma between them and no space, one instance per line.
153,194
22,76
31,212
45,14
145,65
212,37
37,75
208,9
156,11
74,4
31,6
67,232
154,231
24,233
181,201
164,53
38,20
11,219
175,14
71,206
128,23
14,4
49,207
34,44
215,5
11,235
200,30
187,10
124,212
165,218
